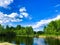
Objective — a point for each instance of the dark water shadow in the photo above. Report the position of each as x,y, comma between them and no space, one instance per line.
52,41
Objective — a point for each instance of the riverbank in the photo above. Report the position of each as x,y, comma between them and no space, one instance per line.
49,36
6,43
41,36
26,35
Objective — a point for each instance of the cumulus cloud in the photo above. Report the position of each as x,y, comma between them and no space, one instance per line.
13,17
21,16
23,9
4,18
44,22
5,3
23,12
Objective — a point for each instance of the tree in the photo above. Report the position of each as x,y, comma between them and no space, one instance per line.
29,30
18,30
53,27
18,27
7,27
40,32
1,27
58,25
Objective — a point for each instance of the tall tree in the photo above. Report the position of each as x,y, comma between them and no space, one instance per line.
29,30
7,27
18,27
53,27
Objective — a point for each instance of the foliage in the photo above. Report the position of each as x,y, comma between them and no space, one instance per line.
40,32
18,30
53,27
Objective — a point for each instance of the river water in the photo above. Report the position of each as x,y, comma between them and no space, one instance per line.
30,41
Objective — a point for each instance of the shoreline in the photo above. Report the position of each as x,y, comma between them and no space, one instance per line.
44,36
6,43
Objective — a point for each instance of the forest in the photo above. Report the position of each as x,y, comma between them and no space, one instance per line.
13,31
53,28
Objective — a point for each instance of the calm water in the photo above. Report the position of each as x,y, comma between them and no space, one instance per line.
30,41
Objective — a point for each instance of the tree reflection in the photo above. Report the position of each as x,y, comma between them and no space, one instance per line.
52,41
18,40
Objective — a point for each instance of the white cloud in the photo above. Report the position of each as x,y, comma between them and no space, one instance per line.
40,23
16,20
4,18
23,12
5,3
12,15
21,16
23,9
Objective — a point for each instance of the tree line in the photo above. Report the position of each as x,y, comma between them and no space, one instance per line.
52,28
18,30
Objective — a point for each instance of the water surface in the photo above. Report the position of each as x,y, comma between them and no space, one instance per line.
30,41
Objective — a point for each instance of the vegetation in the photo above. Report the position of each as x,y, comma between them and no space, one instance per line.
52,41
18,40
13,31
52,28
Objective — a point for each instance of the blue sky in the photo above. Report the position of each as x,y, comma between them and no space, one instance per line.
35,13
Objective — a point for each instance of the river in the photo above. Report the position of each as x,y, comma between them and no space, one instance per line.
30,41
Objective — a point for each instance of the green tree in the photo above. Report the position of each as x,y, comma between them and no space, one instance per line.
29,30
7,27
1,27
40,32
18,27
53,27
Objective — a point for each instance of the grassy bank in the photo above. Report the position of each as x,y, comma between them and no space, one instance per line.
26,35
40,36
52,36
